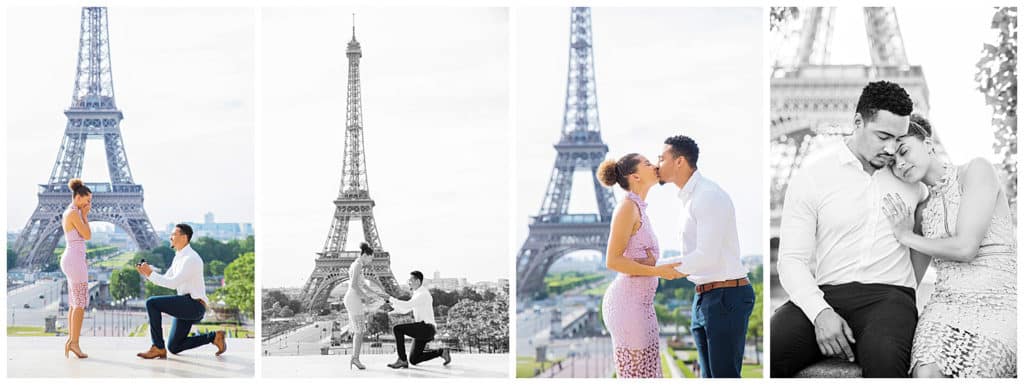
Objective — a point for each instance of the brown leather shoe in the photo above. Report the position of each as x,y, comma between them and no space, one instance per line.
153,352
219,342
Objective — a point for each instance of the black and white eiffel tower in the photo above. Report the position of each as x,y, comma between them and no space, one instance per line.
813,100
353,203
92,115
555,232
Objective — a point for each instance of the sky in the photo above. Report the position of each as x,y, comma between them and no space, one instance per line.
435,115
958,111
660,72
186,95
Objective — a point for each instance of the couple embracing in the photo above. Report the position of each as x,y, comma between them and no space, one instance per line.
860,224
710,258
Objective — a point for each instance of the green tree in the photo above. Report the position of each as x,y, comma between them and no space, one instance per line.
215,268
997,80
472,320
755,327
153,290
124,283
239,283
286,312
377,323
153,259
780,15
12,258
247,245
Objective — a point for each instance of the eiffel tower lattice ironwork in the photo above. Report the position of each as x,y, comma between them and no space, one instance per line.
813,101
555,232
92,115
353,203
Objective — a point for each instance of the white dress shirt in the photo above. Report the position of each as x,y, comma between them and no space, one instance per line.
184,276
421,304
711,246
834,232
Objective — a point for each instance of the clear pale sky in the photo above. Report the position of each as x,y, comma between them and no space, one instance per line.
435,104
958,112
186,94
660,72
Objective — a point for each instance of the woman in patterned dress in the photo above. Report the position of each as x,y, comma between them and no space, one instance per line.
76,231
968,327
358,293
628,305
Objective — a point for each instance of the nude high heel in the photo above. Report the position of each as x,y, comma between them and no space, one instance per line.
75,349
355,362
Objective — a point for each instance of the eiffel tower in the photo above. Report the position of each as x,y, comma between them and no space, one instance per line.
353,203
92,115
554,232
813,102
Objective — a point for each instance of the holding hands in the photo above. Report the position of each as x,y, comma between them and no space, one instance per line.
668,271
899,216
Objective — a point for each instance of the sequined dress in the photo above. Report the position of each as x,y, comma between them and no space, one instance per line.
353,298
628,308
968,326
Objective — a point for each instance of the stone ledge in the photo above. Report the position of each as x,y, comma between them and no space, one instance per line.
831,368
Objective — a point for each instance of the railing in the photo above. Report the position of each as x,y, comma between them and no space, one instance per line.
568,219
94,187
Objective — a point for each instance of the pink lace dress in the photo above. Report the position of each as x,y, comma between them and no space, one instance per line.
72,263
628,308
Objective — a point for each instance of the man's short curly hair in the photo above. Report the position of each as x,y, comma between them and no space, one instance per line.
685,147
883,95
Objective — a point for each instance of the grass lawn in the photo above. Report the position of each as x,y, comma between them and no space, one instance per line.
751,371
665,372
599,290
233,330
526,366
140,331
30,331
688,356
236,331
116,262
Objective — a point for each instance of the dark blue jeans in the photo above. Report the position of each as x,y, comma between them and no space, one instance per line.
719,325
186,311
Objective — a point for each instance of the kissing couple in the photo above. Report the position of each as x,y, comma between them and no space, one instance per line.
710,259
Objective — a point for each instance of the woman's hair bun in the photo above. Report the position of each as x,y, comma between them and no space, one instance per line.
75,183
608,173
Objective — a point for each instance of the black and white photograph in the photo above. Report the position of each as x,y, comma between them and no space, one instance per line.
385,181
893,192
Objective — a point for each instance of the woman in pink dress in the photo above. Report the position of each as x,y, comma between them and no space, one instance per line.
628,305
72,262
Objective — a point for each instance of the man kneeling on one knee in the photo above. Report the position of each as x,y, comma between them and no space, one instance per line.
189,306
423,328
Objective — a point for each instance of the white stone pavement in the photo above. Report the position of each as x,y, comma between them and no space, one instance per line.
115,357
462,366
